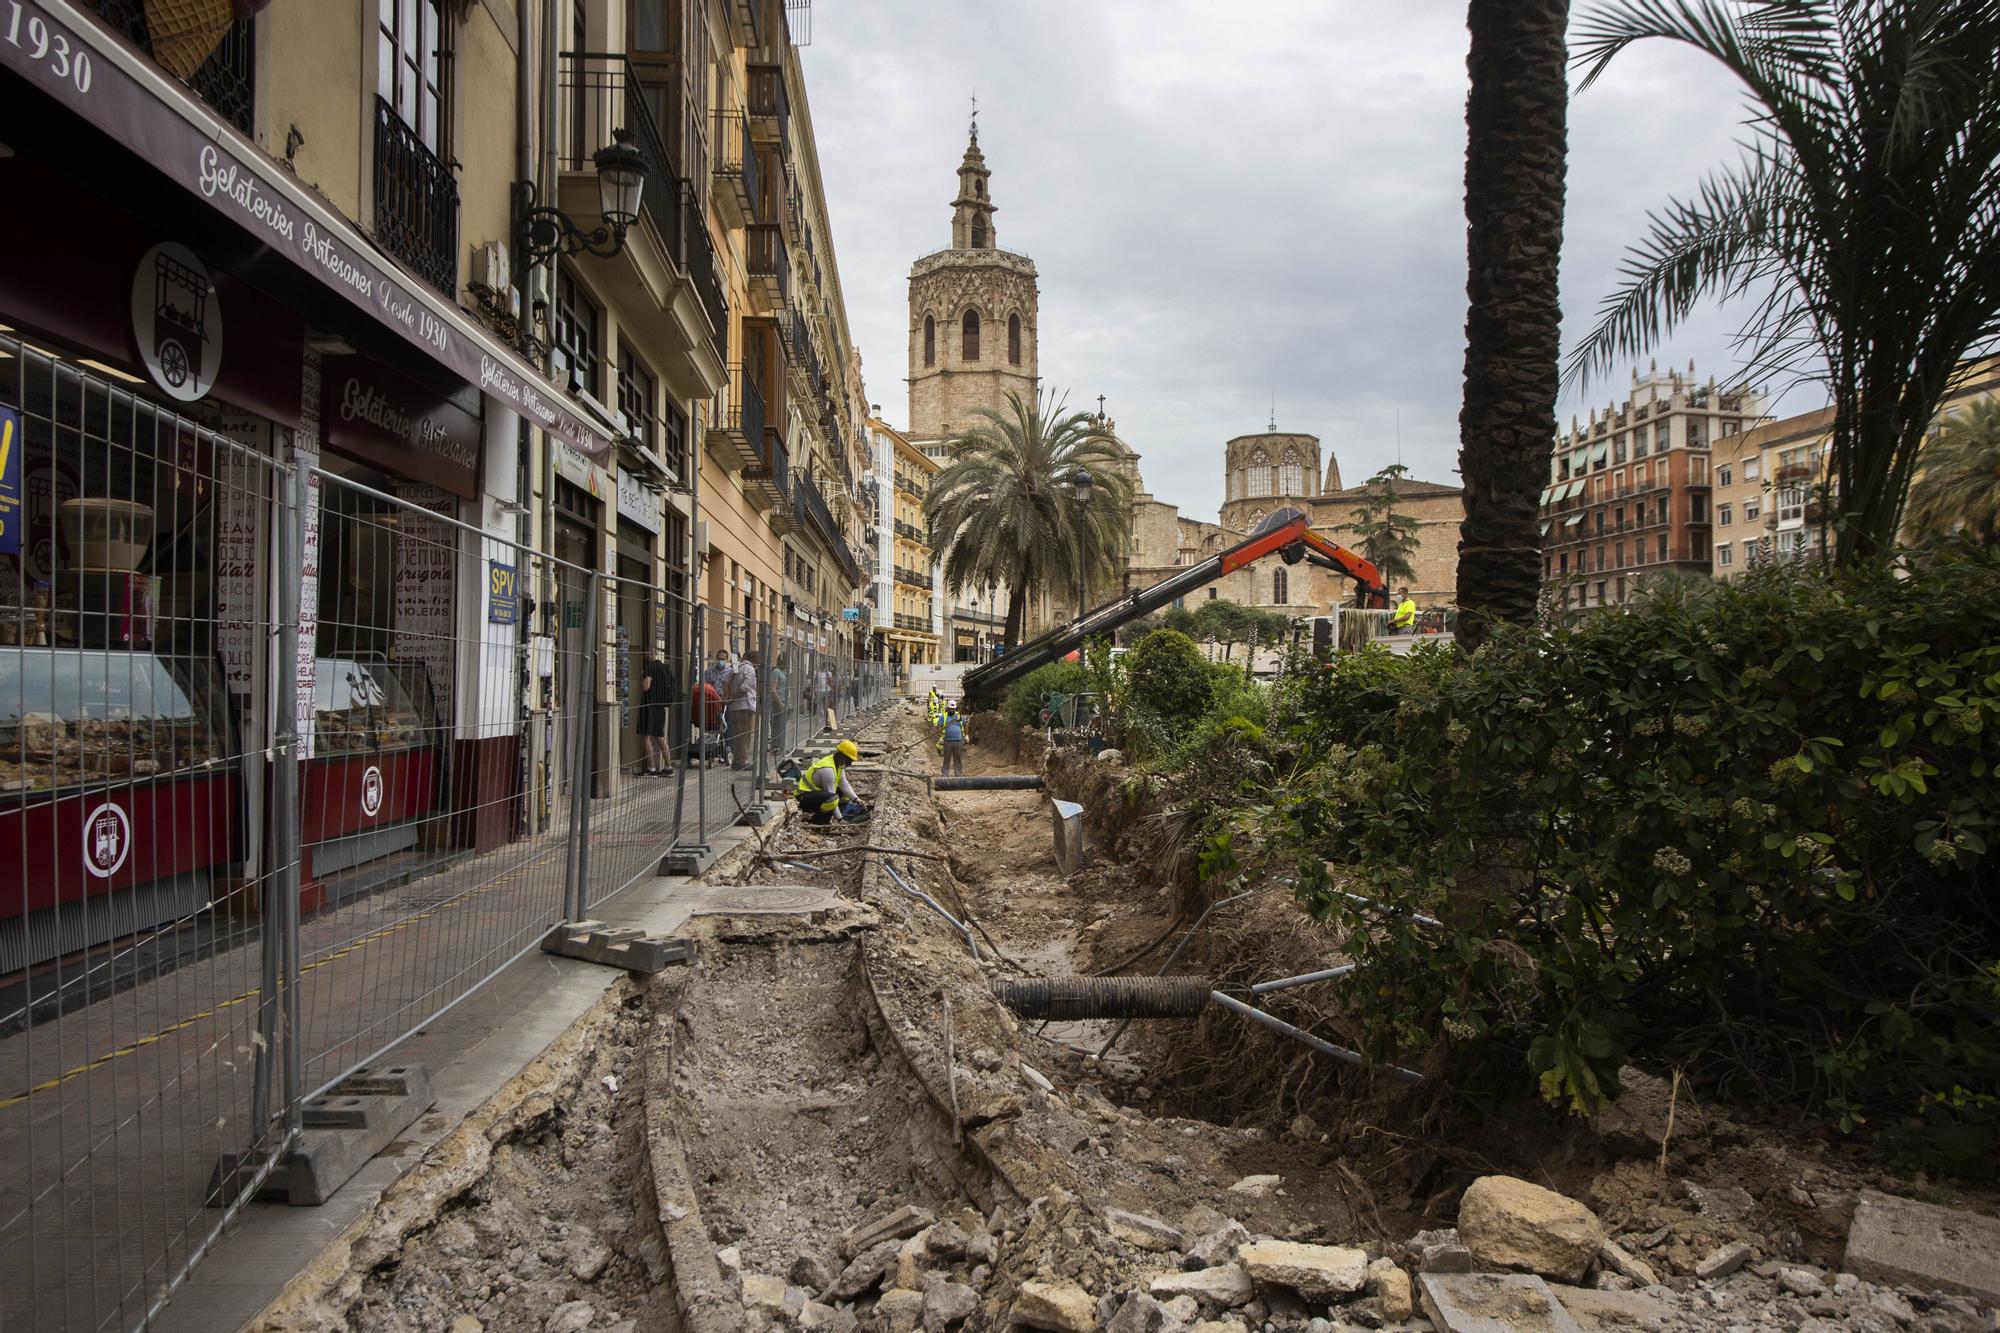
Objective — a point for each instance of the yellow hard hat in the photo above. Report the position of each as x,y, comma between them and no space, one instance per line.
848,748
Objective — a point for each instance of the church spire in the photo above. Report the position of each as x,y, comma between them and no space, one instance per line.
972,211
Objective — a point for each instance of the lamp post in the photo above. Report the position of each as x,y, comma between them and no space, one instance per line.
1078,483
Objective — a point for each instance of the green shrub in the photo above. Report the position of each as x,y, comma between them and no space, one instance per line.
1021,705
1167,678
1739,827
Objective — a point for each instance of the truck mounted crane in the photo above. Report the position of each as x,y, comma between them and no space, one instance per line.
1291,539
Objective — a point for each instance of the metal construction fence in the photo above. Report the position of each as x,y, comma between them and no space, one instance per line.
292,761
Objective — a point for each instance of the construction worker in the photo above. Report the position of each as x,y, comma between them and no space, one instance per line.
933,706
1406,614
951,740
823,789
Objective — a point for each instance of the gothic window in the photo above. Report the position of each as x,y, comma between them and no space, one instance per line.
1260,474
1279,588
930,341
1256,519
1291,477
1014,340
969,336
979,233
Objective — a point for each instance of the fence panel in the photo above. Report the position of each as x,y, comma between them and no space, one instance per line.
138,977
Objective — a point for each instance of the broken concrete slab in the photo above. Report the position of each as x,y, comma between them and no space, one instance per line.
1921,1245
1611,1310
1312,1270
1724,1261
1622,1261
1068,837
1060,1306
1493,1303
1224,1285
1146,1233
898,1225
627,947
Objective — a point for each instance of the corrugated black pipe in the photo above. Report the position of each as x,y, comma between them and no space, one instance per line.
1065,998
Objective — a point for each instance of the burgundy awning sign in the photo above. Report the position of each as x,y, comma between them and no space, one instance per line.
71,58
371,413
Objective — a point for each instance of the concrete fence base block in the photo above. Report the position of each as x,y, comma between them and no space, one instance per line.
1493,1303
345,1127
618,946
1068,837
1921,1245
688,861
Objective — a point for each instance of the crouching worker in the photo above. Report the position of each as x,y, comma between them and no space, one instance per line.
823,788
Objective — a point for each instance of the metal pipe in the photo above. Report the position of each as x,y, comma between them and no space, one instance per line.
1392,910
933,904
996,782
1341,1053
1303,979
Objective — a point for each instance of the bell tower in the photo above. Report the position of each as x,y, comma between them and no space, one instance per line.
973,336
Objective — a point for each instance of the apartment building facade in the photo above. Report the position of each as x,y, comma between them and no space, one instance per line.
1631,491
908,609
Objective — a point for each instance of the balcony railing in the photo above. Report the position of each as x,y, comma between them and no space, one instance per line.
911,532
907,486
770,108
918,623
813,513
600,92
416,202
736,168
736,420
770,270
769,478
915,578
701,267
226,80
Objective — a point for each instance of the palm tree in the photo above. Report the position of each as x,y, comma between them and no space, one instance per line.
1515,151
1001,512
1863,222
1958,479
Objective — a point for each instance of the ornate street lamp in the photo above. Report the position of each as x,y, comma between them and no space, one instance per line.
541,233
1078,484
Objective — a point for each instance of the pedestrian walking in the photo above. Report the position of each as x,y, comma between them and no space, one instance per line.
658,690
741,700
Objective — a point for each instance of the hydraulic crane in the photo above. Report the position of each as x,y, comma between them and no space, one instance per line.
1291,540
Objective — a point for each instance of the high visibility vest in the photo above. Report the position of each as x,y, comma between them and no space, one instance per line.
1406,612
808,780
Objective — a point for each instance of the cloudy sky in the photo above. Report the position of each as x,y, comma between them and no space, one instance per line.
1227,202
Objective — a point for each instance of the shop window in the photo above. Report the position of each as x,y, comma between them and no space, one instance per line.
575,353
969,336
413,67
1014,340
638,391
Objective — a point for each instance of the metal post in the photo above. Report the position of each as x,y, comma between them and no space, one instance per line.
761,734
693,693
577,864
286,837
281,723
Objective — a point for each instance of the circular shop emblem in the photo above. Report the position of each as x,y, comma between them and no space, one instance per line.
107,840
371,791
176,321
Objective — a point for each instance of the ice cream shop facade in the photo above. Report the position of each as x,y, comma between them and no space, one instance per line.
264,551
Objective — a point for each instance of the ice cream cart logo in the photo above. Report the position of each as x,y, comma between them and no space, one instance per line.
176,321
107,840
371,791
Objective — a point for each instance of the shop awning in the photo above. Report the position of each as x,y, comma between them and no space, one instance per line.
159,119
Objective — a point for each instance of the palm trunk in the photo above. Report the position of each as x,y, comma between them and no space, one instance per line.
1514,167
1017,599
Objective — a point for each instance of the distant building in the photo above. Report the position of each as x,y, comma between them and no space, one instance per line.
1276,472
908,608
1632,492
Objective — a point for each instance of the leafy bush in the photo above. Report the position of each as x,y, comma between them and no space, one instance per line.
1167,678
1742,827
1021,705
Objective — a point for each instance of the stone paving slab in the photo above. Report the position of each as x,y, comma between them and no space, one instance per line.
1924,1246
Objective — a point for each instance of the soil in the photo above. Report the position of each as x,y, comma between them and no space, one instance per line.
740,1135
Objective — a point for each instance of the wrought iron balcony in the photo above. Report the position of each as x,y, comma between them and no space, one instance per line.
226,80
769,266
768,480
701,268
818,519
907,486
911,532
416,202
600,92
917,623
738,188
736,422
770,107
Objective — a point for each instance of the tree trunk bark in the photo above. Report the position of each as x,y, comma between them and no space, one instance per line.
1017,597
1516,144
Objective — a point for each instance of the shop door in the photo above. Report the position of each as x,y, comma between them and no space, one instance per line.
575,550
633,639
